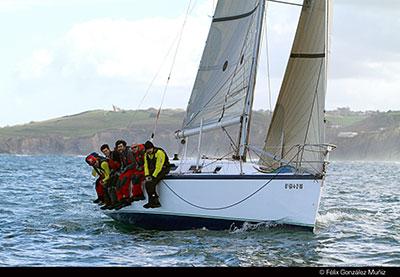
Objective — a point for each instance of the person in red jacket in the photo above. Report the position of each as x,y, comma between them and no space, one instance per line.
127,171
138,178
113,158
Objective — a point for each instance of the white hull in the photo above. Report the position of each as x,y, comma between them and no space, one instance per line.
218,200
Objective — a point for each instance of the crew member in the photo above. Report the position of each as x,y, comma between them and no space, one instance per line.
156,166
127,170
138,177
114,164
101,169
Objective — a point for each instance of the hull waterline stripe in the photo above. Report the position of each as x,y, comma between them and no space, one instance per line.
172,222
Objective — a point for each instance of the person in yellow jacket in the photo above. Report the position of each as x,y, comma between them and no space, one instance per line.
156,166
101,169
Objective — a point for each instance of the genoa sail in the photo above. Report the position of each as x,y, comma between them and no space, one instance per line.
296,131
224,77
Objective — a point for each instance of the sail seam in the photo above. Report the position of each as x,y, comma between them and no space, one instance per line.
235,17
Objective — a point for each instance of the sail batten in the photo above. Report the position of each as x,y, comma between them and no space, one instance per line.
235,17
307,55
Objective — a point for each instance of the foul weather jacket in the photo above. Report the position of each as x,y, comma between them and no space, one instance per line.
154,163
103,171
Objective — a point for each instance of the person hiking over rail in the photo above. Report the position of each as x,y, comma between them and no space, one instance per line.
114,163
156,166
138,151
127,171
100,169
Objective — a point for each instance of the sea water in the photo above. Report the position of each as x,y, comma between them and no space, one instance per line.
47,218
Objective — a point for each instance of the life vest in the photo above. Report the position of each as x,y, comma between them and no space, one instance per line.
139,156
126,158
114,162
99,170
151,161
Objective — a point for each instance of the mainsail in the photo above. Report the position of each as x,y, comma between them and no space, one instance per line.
296,131
225,77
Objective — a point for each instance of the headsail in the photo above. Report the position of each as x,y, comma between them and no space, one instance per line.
297,126
226,68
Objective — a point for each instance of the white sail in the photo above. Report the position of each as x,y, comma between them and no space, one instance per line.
297,126
226,68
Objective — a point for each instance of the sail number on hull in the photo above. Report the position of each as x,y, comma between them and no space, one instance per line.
293,186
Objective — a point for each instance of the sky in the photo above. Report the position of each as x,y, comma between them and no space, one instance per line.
62,57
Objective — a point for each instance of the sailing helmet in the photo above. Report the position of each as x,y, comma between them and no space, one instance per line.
91,159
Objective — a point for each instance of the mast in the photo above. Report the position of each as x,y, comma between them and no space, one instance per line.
246,117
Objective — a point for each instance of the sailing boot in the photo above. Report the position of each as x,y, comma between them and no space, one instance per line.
97,201
156,203
153,202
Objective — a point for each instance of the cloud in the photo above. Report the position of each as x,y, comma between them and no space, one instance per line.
370,5
17,5
107,61
362,35
36,65
128,49
370,94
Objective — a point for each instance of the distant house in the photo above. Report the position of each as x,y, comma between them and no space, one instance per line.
347,134
116,109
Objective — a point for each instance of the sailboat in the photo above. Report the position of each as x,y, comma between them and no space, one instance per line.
284,184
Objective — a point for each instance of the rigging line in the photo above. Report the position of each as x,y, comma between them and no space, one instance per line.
230,138
224,207
249,153
218,159
264,161
194,5
281,161
267,54
171,69
153,80
284,2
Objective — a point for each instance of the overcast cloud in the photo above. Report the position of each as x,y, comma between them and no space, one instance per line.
73,56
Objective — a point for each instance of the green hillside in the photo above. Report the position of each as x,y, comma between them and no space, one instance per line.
358,135
91,122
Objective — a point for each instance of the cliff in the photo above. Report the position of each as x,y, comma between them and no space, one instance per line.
358,135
